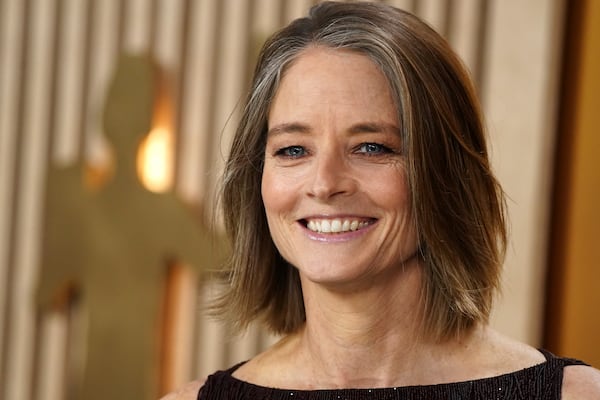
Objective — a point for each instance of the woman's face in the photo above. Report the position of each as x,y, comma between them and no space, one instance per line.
334,183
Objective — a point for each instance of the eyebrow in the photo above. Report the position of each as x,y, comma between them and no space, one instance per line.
374,127
362,127
288,127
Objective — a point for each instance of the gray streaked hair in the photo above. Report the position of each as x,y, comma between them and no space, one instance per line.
457,204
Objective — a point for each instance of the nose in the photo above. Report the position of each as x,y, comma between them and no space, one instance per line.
330,176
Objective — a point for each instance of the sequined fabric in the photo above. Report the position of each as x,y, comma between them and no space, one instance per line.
541,382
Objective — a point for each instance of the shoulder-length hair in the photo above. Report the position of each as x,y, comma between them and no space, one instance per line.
457,204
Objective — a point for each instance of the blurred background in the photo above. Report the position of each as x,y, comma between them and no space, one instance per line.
116,116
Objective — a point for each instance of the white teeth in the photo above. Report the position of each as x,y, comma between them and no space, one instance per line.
346,225
335,225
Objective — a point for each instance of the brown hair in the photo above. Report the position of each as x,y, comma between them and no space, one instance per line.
457,204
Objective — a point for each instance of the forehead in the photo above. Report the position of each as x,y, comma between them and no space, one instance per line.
323,79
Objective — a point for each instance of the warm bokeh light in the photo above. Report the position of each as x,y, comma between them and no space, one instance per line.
155,160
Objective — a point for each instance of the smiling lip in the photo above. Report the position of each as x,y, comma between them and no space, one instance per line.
336,228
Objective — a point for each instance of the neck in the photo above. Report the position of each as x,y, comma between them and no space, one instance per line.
364,337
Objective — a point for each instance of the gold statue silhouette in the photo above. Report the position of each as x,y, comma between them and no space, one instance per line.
111,246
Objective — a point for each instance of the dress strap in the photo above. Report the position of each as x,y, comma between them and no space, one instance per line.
215,381
554,371
550,357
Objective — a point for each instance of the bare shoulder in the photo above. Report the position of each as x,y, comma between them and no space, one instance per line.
508,354
581,382
186,392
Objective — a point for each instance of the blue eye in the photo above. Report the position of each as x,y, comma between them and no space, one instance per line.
291,152
373,148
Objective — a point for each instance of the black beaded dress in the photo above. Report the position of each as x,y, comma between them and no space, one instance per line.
542,381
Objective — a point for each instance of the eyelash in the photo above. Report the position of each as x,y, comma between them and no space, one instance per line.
286,152
293,152
381,149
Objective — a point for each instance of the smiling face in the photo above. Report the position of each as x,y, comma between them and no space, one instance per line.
334,184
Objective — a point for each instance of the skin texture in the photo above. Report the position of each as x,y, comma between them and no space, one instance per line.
333,152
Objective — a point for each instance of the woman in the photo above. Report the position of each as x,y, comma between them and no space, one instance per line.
367,227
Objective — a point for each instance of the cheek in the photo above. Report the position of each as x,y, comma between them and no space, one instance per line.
270,193
392,194
279,199
390,190
278,192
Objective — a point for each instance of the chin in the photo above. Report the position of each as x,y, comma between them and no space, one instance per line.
334,278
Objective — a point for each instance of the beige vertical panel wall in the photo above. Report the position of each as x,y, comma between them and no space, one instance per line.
10,49
520,96
57,56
